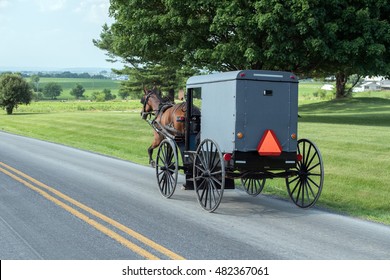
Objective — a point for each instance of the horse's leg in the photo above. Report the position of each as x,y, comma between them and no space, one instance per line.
150,153
156,142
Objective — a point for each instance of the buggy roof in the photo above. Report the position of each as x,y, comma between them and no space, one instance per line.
260,75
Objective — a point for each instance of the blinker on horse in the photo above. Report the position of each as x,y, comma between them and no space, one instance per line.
168,118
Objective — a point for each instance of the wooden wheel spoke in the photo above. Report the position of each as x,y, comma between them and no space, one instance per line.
308,154
216,173
215,165
313,174
310,188
303,193
307,195
314,166
215,181
299,191
203,157
205,193
215,193
200,186
210,153
164,184
309,179
164,152
203,163
311,160
295,187
293,180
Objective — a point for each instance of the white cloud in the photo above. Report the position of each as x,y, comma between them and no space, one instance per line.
50,5
95,11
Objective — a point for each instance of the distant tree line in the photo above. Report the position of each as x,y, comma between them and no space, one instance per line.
67,74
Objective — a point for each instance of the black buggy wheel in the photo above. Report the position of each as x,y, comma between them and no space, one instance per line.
209,175
167,167
253,186
305,186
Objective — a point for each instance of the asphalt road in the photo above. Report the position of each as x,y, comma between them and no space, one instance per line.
58,202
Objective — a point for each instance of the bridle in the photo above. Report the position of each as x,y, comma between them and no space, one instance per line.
145,101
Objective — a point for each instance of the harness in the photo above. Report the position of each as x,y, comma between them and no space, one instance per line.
166,130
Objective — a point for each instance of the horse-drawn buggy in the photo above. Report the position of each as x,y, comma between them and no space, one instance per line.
246,129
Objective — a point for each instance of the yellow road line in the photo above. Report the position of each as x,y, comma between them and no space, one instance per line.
93,212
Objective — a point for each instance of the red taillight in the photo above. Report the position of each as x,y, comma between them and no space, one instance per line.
299,157
180,119
227,157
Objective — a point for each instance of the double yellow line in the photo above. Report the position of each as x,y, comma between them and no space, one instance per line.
48,192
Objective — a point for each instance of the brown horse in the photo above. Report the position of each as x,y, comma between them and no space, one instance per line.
168,118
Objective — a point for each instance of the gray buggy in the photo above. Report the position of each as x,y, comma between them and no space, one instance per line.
246,130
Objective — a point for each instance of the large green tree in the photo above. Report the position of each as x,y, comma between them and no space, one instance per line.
340,38
77,91
14,90
52,90
309,37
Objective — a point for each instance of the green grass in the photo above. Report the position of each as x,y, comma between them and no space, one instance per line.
90,85
74,106
119,134
354,138
352,135
306,88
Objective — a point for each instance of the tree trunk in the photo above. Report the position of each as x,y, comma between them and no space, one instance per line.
341,81
9,110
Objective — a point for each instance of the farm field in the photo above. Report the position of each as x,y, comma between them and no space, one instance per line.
352,135
90,85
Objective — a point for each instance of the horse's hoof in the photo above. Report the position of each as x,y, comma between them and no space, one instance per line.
153,164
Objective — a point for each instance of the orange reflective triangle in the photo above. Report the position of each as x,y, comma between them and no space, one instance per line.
269,144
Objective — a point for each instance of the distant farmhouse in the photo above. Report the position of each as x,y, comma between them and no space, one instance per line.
385,84
373,84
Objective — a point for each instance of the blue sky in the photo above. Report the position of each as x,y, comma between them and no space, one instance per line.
52,33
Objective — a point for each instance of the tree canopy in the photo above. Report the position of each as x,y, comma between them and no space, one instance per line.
14,90
77,91
308,37
52,90
166,79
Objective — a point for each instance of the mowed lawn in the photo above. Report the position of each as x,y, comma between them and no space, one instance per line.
352,135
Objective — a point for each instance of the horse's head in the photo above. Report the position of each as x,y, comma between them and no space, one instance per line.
151,101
